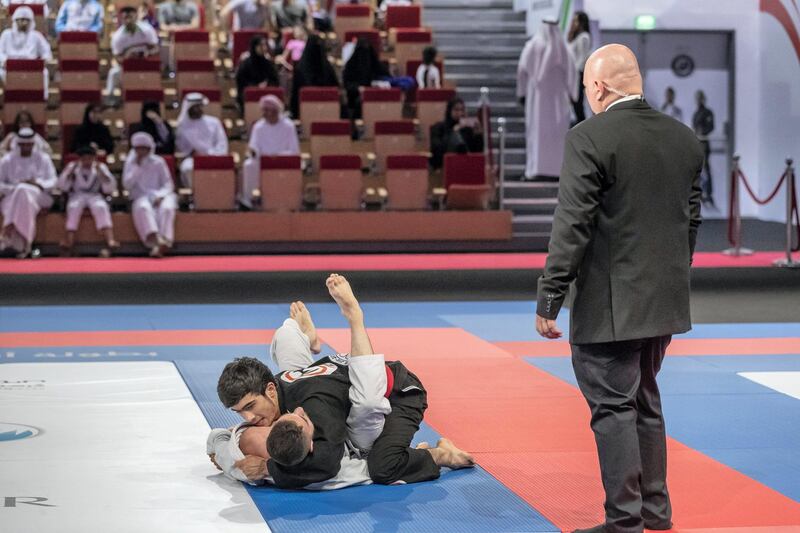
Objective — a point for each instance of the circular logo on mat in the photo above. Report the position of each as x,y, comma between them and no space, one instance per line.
9,432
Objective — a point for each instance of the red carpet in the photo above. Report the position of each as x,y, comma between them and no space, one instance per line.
328,263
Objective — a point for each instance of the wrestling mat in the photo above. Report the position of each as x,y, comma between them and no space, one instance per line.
105,410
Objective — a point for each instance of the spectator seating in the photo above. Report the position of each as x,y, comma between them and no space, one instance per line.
80,45
403,17
340,182
79,74
195,74
411,70
380,104
353,17
318,104
141,73
407,181
281,183
214,183
372,36
241,43
16,100
409,44
190,44
132,102
214,96
25,74
328,138
252,111
73,106
431,106
465,179
393,137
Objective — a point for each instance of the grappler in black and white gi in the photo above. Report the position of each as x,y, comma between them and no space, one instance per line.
307,413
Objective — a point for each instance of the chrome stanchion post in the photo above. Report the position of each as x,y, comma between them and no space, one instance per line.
790,192
501,164
484,104
736,213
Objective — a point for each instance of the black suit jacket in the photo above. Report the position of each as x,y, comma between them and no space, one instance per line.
625,226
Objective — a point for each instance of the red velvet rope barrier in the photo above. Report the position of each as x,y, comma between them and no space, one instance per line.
794,214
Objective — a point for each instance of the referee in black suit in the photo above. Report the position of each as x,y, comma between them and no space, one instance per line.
624,232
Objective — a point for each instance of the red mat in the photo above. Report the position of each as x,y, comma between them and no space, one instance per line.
530,430
328,263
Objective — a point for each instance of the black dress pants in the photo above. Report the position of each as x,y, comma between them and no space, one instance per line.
391,458
618,380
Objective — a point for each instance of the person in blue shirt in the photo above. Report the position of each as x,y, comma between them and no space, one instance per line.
80,15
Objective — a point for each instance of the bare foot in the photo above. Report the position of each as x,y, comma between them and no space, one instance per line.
342,293
446,454
302,316
423,446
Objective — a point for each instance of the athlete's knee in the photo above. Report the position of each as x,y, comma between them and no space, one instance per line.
386,465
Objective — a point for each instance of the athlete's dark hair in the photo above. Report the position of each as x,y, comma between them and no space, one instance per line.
285,443
241,377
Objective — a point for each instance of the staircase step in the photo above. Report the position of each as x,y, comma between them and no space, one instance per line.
489,26
475,76
483,4
514,189
480,40
531,206
470,18
532,223
490,52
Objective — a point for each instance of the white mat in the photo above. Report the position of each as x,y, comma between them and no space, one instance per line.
112,447
785,382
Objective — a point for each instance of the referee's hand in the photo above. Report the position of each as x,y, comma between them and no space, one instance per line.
547,328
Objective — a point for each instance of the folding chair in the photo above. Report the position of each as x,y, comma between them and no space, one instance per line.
31,101
340,182
409,44
190,44
195,74
328,138
79,45
79,74
465,181
281,183
318,104
353,17
407,181
393,137
214,183
141,73
25,75
380,104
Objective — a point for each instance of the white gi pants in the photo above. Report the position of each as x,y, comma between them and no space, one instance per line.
291,350
95,203
149,219
249,179
20,208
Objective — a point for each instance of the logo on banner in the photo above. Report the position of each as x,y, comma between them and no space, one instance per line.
9,432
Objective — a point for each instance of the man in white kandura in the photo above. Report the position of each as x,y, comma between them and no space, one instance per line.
546,80
149,182
274,134
26,178
198,134
22,41
87,182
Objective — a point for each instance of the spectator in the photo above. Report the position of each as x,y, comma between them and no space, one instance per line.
92,132
149,183
80,15
22,41
158,128
198,134
313,70
147,13
26,178
133,38
86,182
247,15
256,70
456,133
293,49
290,13
703,125
428,75
580,46
361,70
669,107
274,134
178,15
24,119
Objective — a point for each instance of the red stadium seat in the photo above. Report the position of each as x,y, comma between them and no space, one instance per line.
70,113
214,183
407,181
78,45
431,106
190,44
195,74
25,74
25,100
465,181
252,95
372,36
340,182
80,74
408,45
331,137
141,73
132,102
403,17
281,183
318,104
393,137
380,104
353,17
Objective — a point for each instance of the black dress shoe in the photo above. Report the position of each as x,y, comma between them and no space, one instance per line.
658,526
596,529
